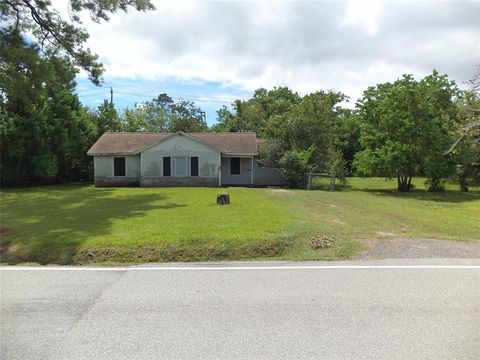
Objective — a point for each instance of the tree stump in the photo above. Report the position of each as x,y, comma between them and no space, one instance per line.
223,199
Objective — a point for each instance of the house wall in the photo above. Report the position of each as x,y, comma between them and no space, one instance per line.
245,172
179,146
103,171
146,169
264,176
178,181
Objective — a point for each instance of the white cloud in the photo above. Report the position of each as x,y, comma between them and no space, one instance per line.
305,45
363,12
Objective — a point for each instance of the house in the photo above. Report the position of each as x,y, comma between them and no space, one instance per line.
180,159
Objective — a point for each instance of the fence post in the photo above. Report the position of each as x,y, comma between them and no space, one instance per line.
309,181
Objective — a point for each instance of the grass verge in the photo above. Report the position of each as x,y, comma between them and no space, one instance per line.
79,224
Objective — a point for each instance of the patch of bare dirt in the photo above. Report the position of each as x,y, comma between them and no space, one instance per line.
5,246
322,241
4,231
385,233
284,191
408,248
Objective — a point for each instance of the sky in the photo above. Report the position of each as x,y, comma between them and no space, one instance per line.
214,52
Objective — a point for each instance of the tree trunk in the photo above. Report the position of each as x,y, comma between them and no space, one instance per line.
463,184
19,163
404,183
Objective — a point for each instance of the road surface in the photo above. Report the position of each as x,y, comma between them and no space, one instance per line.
244,311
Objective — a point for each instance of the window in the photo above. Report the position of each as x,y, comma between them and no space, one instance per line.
167,166
194,166
180,166
119,166
234,166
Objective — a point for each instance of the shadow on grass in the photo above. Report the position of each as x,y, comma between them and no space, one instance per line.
51,225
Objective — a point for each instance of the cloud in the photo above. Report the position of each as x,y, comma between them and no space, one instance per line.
308,46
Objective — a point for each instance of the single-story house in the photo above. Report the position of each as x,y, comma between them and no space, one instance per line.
180,159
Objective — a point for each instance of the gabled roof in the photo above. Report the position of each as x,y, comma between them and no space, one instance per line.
131,143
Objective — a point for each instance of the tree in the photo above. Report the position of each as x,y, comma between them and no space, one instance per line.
106,118
38,18
162,114
187,117
256,113
406,127
295,164
45,132
309,126
225,121
151,115
466,149
347,133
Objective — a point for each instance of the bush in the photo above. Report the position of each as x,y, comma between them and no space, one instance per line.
294,166
435,184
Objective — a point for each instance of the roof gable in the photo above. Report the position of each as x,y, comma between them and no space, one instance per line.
131,143
179,133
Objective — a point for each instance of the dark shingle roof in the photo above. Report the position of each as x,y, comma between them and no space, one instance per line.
135,142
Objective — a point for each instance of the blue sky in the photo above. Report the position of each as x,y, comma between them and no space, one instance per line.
213,52
209,96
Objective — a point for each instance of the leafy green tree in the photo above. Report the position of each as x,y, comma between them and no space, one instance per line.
43,24
133,120
466,149
347,133
256,113
162,114
45,132
310,127
295,164
467,159
106,118
187,117
406,127
336,167
225,121
149,116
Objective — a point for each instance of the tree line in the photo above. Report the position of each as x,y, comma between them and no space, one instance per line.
399,129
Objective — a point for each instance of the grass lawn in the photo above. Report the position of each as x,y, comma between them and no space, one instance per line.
79,224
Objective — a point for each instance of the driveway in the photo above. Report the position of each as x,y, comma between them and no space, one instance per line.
411,248
404,309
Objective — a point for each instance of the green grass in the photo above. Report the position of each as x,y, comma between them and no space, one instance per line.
79,224
372,208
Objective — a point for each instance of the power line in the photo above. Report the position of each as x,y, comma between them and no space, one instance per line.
189,97
183,97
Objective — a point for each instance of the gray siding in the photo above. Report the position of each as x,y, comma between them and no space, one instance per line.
180,146
133,166
103,166
146,169
245,172
181,181
264,176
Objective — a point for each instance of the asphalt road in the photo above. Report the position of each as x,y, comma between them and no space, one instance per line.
244,311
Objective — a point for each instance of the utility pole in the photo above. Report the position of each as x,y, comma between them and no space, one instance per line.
111,95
